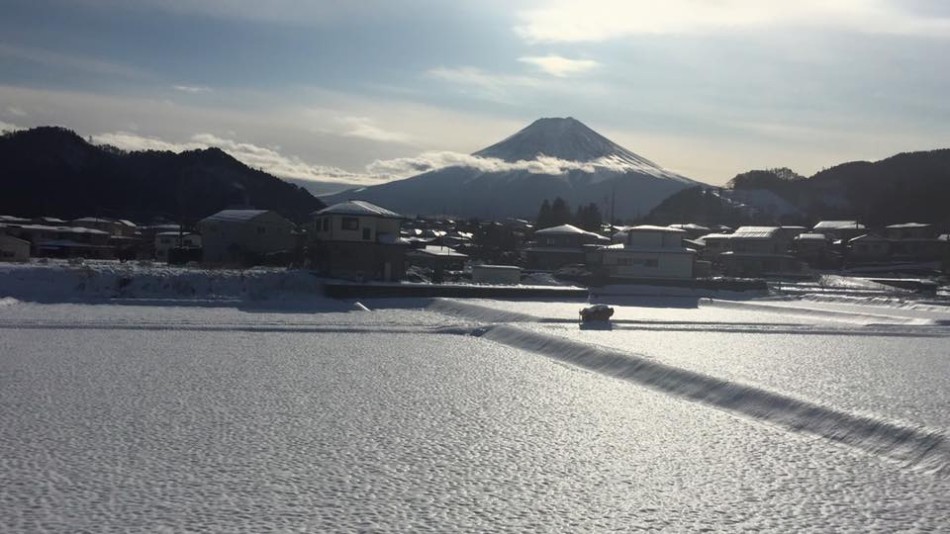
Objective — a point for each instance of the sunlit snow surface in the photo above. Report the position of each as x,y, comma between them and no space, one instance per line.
291,417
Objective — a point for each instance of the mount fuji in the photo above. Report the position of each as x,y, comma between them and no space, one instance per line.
552,157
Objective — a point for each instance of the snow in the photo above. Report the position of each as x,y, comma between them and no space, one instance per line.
255,405
235,215
359,208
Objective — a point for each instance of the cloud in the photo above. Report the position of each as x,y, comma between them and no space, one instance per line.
560,66
495,87
267,159
193,89
431,161
71,61
15,111
7,127
366,128
600,20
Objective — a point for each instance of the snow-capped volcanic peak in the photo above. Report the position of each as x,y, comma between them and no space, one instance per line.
567,139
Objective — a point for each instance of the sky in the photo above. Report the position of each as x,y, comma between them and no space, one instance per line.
369,91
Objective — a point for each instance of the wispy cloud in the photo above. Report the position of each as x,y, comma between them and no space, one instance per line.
193,89
600,20
268,159
366,128
476,82
71,61
15,111
430,161
560,66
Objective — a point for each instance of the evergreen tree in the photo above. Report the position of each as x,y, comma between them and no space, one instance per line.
544,216
560,212
588,217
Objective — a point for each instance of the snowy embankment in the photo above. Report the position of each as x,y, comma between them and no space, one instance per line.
62,282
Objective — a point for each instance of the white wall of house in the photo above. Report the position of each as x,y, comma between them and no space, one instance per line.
657,263
355,228
267,232
655,239
14,249
166,241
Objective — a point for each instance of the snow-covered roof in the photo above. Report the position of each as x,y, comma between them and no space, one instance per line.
907,225
50,220
652,228
755,232
390,239
868,237
811,237
12,219
94,220
234,215
714,237
359,208
444,252
838,225
620,247
565,229
691,226
58,229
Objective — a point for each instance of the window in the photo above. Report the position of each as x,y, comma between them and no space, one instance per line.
261,230
350,223
326,224
367,234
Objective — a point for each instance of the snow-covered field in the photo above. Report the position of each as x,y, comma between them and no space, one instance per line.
273,410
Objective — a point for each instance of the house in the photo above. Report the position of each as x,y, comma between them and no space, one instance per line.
14,248
914,242
693,230
760,251
869,247
713,245
62,241
165,241
910,230
813,248
648,252
562,245
437,258
244,236
114,227
840,230
760,239
359,239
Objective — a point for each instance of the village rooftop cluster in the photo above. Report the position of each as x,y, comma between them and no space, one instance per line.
358,240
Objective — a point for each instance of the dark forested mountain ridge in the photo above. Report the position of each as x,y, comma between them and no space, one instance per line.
52,171
908,187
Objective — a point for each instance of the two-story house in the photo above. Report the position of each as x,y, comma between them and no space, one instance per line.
358,239
649,252
244,236
562,245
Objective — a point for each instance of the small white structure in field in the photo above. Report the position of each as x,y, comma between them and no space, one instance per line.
14,248
496,274
235,236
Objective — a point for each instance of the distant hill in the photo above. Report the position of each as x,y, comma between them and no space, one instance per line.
552,157
909,187
52,171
